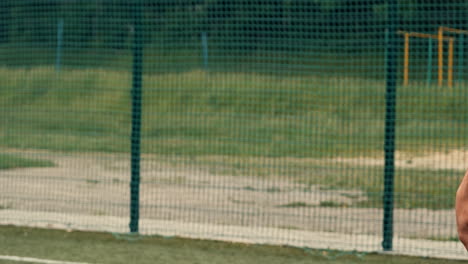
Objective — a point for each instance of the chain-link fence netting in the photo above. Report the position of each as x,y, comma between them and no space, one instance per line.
314,123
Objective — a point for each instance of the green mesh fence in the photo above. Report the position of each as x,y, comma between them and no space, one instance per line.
312,123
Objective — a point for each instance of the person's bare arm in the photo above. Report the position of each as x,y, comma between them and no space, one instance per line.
461,209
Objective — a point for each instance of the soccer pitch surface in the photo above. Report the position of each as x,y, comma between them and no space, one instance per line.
193,201
74,246
227,149
97,185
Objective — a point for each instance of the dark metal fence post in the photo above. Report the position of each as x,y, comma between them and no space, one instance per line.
136,115
390,115
461,56
58,56
205,49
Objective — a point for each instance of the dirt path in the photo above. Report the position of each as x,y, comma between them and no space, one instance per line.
98,184
455,159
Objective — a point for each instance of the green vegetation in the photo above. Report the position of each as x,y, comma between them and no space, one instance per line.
14,161
244,118
295,205
414,187
105,248
237,114
445,238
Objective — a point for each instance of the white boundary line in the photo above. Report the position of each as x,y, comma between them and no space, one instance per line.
36,260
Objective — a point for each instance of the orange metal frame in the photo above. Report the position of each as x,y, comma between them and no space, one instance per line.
439,37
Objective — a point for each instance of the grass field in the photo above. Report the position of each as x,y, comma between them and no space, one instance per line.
414,187
236,124
15,161
198,113
106,248
243,118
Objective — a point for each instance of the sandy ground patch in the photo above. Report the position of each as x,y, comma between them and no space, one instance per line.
98,185
454,159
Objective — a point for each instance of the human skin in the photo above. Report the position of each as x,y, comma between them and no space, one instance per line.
461,210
